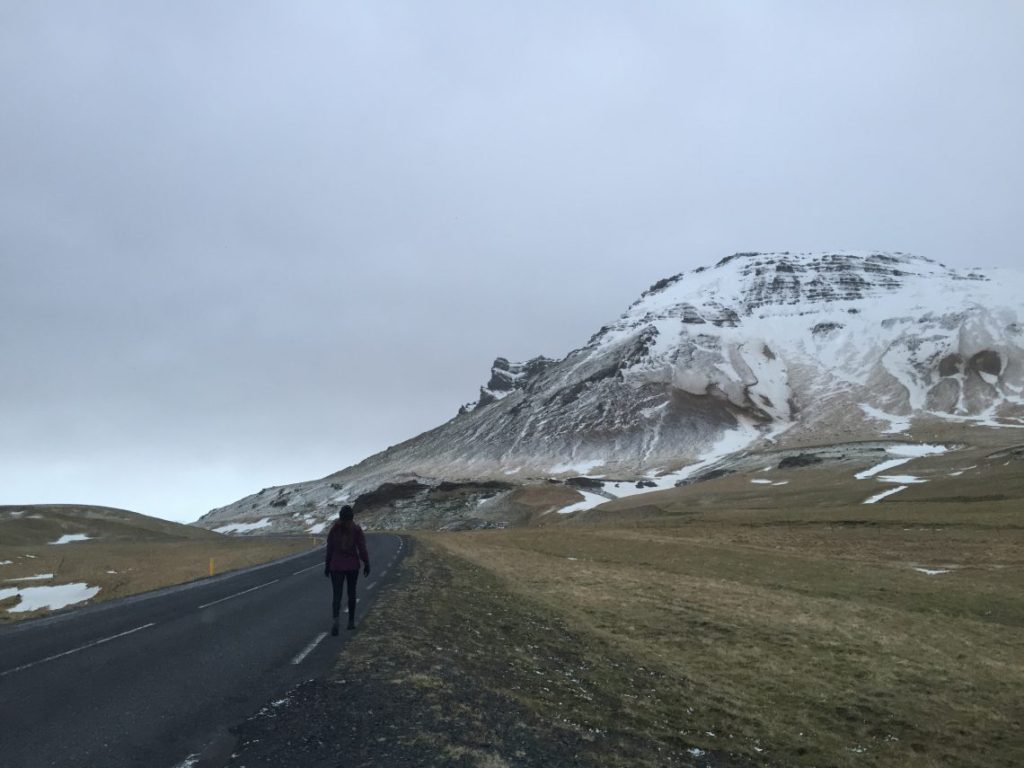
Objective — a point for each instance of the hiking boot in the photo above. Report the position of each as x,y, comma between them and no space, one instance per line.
334,628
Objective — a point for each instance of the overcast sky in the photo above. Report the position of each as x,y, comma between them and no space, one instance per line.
250,243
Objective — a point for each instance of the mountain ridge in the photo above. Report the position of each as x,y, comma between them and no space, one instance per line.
760,350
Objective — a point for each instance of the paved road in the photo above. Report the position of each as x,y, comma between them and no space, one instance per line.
156,679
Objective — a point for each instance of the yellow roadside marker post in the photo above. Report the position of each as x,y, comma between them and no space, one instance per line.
211,566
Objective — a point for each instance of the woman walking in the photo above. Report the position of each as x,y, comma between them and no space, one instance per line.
346,547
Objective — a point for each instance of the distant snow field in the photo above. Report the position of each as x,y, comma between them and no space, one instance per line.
54,598
243,527
67,538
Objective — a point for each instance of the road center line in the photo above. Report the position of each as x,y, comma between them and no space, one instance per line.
309,648
76,650
238,594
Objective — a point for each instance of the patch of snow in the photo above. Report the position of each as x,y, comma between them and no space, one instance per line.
111,571
580,468
916,449
40,577
761,482
905,452
897,424
910,479
696,752
872,471
879,496
781,482
730,442
55,597
932,571
243,527
512,471
987,418
590,500
67,538
648,413
317,528
6,562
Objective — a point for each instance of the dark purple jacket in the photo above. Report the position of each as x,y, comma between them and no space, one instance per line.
338,559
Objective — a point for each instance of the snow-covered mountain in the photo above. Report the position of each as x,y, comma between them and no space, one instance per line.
760,349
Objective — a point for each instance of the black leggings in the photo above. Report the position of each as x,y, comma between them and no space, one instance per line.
338,579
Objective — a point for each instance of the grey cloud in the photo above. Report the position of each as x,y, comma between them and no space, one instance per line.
274,238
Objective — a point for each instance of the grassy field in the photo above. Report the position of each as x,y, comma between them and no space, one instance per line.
795,629
127,553
454,668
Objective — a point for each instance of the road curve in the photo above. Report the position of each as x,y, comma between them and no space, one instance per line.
157,679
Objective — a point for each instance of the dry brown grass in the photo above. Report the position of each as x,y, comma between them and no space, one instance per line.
793,627
123,568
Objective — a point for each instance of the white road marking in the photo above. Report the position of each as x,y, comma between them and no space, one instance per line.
309,648
76,650
371,586
307,569
238,594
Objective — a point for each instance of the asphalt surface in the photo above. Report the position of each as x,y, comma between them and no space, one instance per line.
158,679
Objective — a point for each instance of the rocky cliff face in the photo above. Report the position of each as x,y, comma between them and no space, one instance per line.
506,378
759,349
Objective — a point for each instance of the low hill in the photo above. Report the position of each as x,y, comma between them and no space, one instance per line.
35,524
56,556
